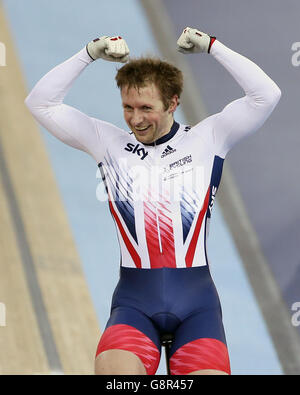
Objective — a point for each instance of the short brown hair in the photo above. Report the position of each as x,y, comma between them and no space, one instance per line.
138,72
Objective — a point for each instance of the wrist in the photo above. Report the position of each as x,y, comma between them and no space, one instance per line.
212,40
84,56
87,51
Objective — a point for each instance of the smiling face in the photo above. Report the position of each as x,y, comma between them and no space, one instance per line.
145,114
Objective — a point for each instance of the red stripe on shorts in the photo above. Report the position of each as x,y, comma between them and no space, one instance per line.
128,338
200,354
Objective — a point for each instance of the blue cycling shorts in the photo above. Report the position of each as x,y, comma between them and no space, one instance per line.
148,303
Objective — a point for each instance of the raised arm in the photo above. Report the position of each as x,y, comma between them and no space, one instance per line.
68,124
245,115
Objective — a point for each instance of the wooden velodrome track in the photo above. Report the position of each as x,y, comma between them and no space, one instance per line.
51,325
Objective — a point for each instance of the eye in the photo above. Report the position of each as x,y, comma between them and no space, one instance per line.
127,108
147,108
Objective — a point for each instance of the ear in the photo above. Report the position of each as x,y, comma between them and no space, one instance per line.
173,104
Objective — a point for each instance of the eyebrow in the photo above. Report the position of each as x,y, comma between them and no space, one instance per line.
142,105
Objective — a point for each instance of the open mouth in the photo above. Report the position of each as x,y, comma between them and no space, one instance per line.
142,130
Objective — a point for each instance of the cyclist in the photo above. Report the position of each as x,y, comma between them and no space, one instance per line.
161,179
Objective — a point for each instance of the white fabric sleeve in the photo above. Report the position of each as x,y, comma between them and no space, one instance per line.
245,115
68,124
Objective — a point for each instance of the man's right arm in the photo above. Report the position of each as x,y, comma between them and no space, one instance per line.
68,124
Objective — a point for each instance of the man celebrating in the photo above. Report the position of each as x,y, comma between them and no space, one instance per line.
161,180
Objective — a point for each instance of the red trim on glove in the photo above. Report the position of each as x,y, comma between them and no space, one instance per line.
212,40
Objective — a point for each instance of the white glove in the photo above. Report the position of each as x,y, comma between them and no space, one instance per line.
194,41
113,49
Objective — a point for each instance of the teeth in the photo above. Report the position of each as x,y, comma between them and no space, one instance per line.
140,129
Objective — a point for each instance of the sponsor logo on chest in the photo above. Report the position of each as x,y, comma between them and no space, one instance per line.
168,150
136,149
181,162
181,166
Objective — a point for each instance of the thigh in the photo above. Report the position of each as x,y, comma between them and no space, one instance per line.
118,362
130,331
200,345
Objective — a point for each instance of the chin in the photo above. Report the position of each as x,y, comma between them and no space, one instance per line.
144,139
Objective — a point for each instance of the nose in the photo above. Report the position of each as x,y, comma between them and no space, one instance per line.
137,118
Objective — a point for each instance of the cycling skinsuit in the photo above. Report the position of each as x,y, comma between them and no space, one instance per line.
161,197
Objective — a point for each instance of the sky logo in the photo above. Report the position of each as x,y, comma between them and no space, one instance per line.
141,152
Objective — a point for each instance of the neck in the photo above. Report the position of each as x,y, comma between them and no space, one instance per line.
166,136
168,127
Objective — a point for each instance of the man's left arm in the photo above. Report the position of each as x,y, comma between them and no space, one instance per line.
247,114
